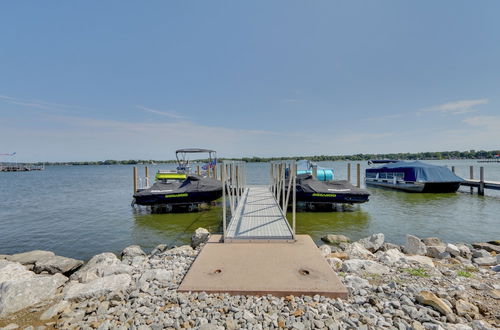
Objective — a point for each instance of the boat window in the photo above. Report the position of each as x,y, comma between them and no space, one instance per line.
382,175
399,175
371,175
390,175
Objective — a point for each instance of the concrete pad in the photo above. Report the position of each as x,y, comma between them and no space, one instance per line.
279,269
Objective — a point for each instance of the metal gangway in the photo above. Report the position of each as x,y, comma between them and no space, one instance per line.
258,212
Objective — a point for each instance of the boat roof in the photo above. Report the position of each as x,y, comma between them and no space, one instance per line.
404,164
419,171
193,150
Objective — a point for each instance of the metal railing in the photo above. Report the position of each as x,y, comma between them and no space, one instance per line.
233,178
283,183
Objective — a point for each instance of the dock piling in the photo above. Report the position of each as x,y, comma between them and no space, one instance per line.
480,190
453,169
146,174
349,172
358,174
471,170
135,179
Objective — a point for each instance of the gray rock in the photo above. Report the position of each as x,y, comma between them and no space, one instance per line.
200,236
13,271
161,275
158,249
480,253
185,251
452,249
24,292
356,282
433,241
335,239
465,252
30,257
391,256
96,288
485,261
356,250
336,263
435,251
373,243
414,246
56,264
98,266
487,246
11,326
132,251
364,266
325,250
55,310
389,246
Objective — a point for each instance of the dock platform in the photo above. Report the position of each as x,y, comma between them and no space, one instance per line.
258,218
277,268
494,185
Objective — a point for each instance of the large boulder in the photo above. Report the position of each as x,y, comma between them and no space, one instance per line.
373,243
433,241
453,250
466,308
132,251
96,288
390,257
56,264
364,266
414,246
356,250
325,250
17,294
101,265
488,247
420,259
200,236
335,239
13,271
485,261
436,251
31,257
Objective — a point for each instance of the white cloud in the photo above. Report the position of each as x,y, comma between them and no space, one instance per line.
456,107
170,114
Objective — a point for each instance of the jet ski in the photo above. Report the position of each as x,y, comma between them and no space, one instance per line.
181,189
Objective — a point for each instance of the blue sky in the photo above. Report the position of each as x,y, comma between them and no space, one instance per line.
90,80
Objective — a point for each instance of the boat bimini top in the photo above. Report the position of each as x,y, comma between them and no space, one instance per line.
183,161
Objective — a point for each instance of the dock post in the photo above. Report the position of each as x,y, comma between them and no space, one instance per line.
349,172
471,170
453,169
480,190
315,171
135,179
294,198
223,179
198,170
358,173
146,173
215,171
283,167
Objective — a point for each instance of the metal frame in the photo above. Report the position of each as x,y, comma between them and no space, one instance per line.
233,178
280,172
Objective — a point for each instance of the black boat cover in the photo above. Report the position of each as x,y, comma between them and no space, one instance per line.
418,171
193,184
307,184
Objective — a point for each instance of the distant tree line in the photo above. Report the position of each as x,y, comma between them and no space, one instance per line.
471,154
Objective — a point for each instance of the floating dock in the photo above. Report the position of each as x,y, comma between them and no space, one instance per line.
259,252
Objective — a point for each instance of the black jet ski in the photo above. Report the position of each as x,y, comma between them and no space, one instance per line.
310,190
179,189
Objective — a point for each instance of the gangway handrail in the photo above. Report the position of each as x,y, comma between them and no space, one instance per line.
233,179
281,171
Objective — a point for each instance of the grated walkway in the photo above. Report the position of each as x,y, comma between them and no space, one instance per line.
258,218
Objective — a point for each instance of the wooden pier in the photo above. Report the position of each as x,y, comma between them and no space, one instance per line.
481,184
259,252
18,167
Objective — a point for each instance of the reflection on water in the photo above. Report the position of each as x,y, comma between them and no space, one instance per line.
150,230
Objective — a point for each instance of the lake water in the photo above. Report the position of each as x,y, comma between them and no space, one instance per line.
79,211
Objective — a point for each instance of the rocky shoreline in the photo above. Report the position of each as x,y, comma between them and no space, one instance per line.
425,284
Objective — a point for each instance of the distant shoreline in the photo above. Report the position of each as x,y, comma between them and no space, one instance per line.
440,155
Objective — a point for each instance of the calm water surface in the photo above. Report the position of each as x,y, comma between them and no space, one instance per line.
79,211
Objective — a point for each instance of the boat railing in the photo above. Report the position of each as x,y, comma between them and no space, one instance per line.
233,179
283,184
